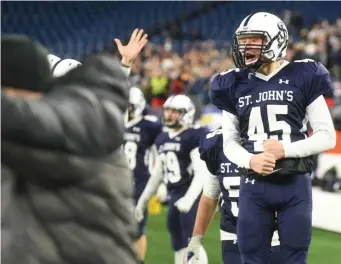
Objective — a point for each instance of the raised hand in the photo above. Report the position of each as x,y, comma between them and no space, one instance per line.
130,51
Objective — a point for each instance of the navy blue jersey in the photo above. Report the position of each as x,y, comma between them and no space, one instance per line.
271,107
174,151
211,151
139,136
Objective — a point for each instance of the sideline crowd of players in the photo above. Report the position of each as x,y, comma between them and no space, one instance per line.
179,143
202,168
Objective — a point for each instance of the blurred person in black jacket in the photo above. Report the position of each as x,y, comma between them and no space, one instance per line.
66,188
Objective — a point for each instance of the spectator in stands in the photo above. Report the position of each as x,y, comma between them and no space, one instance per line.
62,199
296,21
159,87
196,34
336,113
335,57
336,110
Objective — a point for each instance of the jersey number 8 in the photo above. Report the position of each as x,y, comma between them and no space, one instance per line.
130,149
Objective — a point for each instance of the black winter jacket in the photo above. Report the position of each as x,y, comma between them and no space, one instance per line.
66,188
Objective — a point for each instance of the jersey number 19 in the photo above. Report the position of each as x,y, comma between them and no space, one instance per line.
171,166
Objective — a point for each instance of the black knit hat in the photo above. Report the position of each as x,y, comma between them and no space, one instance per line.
24,63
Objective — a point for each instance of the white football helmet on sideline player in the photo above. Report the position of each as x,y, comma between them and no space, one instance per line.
274,45
137,104
183,105
53,59
60,66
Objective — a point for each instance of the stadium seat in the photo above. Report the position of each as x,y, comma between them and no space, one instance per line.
64,26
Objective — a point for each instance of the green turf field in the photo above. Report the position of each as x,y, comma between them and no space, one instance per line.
325,247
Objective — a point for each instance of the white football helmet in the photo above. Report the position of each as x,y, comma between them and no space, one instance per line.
182,104
60,66
53,59
137,104
267,26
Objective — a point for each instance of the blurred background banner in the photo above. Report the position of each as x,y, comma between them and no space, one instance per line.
326,210
211,117
189,44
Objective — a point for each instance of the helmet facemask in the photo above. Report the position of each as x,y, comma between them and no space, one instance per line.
263,52
173,124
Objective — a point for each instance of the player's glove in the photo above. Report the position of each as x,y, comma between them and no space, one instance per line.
139,210
161,193
184,204
193,249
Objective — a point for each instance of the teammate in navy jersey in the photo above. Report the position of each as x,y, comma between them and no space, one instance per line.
179,160
266,105
139,137
223,184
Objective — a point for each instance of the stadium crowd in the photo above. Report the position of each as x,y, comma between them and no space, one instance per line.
162,71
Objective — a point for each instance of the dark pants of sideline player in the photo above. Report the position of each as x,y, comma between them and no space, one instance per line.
258,202
141,225
231,255
180,225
